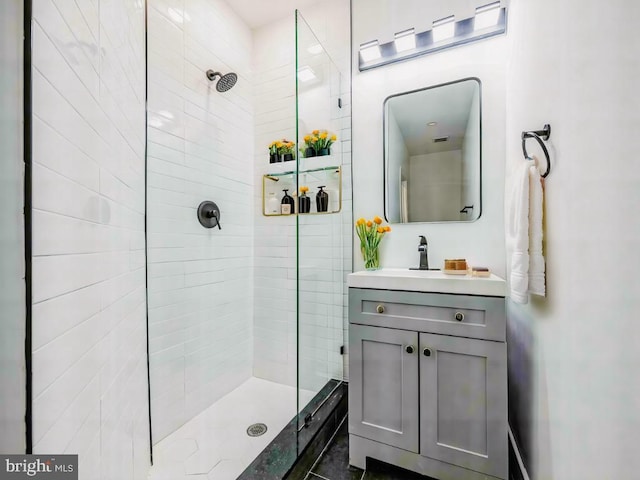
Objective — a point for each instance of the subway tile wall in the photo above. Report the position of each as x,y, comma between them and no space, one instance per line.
324,240
89,328
200,148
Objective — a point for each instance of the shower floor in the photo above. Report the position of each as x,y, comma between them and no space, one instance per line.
214,445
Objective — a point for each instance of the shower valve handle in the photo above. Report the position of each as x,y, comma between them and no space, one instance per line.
214,214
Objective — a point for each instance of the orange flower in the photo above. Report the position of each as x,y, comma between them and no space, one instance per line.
387,228
380,229
369,223
304,189
377,219
316,132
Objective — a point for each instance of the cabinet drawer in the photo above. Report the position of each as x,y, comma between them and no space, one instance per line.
459,315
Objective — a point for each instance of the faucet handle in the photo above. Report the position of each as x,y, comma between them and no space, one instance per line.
423,240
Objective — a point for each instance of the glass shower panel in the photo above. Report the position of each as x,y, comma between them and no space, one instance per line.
324,227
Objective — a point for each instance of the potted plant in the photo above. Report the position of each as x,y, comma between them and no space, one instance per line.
273,152
304,202
323,142
309,143
286,149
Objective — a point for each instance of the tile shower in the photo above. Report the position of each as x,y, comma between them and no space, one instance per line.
112,197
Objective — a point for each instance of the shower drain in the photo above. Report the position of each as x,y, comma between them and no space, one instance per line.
256,429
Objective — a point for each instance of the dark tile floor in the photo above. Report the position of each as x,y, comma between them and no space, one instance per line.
334,464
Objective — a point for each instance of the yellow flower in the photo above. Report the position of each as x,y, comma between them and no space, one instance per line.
361,221
369,223
314,139
380,229
316,132
333,137
307,138
387,228
323,135
304,189
377,219
279,144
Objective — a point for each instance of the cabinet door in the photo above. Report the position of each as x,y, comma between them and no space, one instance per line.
383,385
463,402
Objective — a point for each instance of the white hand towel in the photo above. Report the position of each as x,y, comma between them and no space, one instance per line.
517,233
536,259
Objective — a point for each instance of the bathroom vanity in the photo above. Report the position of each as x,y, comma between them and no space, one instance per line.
428,373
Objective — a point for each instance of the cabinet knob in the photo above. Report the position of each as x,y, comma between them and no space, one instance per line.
380,308
459,316
426,352
409,349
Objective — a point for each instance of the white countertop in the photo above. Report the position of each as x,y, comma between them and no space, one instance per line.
427,281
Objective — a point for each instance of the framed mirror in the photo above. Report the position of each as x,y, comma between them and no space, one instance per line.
433,153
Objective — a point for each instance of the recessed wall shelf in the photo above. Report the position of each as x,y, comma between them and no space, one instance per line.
273,184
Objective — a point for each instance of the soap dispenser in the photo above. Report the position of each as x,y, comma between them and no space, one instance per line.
286,205
322,200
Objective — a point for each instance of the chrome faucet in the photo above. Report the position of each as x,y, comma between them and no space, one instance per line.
424,254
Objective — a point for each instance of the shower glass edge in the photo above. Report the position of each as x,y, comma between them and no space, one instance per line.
321,239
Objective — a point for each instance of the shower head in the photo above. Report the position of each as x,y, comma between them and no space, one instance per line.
226,81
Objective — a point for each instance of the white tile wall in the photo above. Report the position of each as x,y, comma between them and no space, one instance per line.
200,280
89,345
325,241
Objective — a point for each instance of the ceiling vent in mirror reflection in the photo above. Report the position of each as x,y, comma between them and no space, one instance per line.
489,20
431,174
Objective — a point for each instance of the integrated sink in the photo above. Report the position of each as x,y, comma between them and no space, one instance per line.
427,281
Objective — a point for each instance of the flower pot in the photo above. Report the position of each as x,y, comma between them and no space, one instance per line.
304,203
371,257
324,151
287,157
309,152
273,158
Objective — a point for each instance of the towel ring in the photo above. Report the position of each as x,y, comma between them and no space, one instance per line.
539,136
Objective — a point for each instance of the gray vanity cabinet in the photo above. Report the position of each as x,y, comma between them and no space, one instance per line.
384,385
421,397
463,402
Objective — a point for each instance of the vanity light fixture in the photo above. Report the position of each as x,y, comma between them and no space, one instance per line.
405,40
306,74
444,28
487,16
370,51
489,20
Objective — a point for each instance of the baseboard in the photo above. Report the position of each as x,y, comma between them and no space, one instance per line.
517,470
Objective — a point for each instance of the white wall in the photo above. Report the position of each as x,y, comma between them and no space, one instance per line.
480,242
575,65
435,186
200,148
274,243
89,328
12,293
